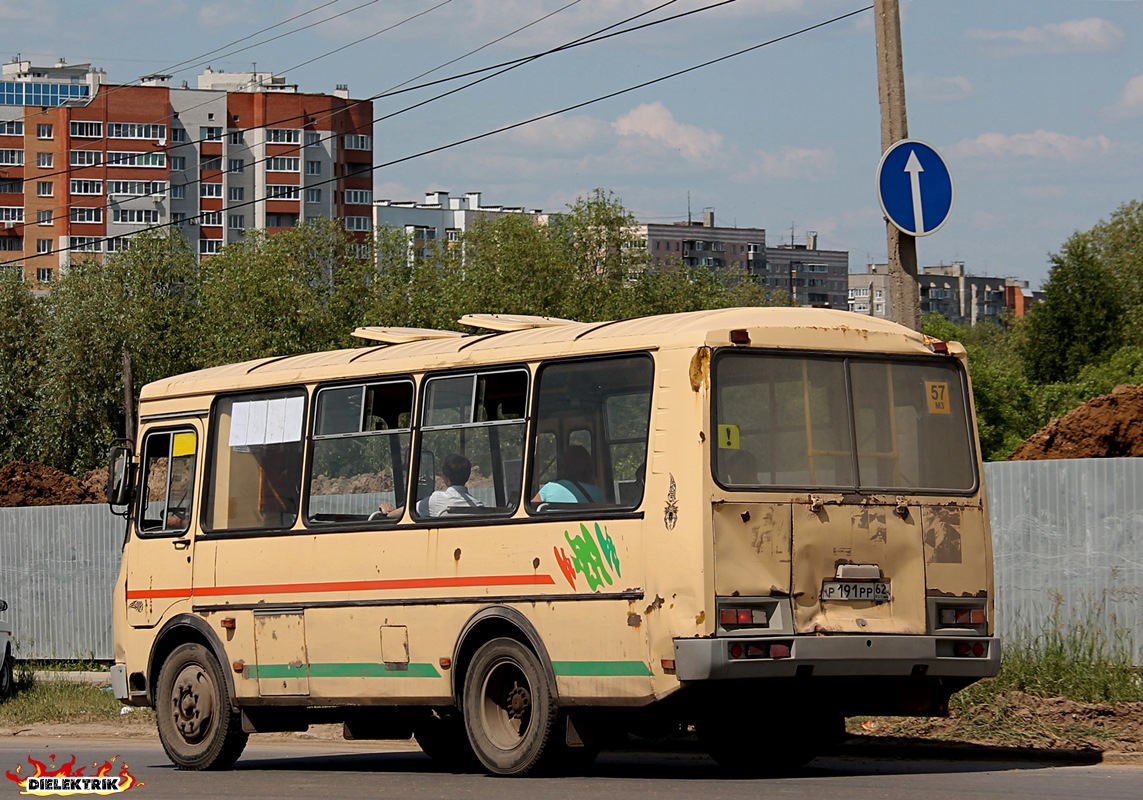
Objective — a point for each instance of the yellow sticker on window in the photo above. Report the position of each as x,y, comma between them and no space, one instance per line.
938,395
728,437
183,445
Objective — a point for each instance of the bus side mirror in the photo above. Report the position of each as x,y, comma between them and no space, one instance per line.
3,606
120,476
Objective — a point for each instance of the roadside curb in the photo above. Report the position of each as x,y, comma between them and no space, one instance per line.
64,676
965,751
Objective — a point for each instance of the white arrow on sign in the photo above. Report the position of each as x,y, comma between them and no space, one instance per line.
914,168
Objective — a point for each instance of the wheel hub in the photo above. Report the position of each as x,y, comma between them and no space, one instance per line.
519,701
193,701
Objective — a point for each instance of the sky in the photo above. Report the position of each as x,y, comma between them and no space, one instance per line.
1036,105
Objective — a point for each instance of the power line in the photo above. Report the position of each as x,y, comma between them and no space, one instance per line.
587,39
497,131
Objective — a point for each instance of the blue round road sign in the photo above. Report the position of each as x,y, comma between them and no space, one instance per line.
915,187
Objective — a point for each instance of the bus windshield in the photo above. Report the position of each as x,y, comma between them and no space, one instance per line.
850,424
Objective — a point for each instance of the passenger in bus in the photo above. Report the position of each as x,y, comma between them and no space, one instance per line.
739,467
456,469
574,476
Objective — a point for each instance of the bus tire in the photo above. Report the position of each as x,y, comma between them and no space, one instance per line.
7,674
509,710
740,750
443,738
198,727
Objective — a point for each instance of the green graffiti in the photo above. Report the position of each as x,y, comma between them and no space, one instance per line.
591,559
608,549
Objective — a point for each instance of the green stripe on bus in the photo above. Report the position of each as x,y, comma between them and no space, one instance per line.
341,671
601,669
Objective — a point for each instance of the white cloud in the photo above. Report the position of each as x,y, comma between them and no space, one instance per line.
1046,145
940,89
563,134
790,163
1092,35
1131,101
653,122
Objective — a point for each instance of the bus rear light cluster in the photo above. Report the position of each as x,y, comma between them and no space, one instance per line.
736,617
961,616
756,650
969,649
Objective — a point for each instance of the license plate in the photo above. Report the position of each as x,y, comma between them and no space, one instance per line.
877,591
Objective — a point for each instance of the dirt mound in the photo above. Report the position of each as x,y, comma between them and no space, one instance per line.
28,483
1108,426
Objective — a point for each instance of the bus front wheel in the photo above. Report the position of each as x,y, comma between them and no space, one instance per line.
509,710
7,678
197,725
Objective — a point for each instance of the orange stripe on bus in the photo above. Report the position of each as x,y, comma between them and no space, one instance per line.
346,586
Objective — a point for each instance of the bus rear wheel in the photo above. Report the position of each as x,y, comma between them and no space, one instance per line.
741,749
442,737
509,710
197,725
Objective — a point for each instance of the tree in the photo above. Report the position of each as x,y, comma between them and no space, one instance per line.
1118,244
300,290
143,300
1081,319
21,350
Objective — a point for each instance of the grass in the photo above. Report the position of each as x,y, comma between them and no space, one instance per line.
1072,658
1068,658
36,701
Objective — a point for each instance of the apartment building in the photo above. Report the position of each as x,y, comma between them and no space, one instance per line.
701,243
945,289
85,164
810,275
440,219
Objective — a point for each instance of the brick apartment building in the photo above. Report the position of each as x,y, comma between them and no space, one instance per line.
85,164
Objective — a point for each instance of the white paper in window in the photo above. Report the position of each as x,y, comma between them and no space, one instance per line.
295,413
239,416
275,421
256,424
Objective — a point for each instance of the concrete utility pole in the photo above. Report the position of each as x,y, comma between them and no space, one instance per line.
904,299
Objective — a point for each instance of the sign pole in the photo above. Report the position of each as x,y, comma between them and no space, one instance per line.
904,297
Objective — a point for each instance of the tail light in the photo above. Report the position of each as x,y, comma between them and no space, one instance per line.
970,649
758,650
742,617
952,617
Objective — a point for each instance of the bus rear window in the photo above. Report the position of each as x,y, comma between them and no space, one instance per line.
841,423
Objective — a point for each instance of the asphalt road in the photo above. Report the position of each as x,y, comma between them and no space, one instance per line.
324,769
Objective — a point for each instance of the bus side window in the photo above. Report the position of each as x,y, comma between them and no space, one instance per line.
479,417
168,481
255,461
599,412
360,453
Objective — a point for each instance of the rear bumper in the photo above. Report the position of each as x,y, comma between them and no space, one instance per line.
837,656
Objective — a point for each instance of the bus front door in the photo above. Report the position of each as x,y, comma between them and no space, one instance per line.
159,561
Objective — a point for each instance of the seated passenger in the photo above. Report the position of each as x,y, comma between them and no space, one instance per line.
574,480
739,467
456,469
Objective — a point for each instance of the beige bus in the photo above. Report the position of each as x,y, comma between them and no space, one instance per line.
525,544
